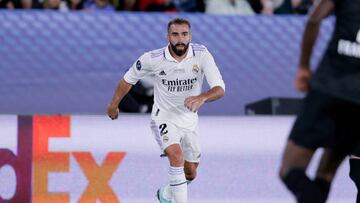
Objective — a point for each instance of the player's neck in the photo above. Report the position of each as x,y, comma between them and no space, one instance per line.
176,57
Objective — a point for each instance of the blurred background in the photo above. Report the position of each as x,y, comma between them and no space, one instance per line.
63,59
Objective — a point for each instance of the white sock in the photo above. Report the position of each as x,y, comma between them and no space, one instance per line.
167,192
178,184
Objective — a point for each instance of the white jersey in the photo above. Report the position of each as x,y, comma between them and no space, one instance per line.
175,81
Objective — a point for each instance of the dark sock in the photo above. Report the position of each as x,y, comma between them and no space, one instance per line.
305,190
297,181
323,188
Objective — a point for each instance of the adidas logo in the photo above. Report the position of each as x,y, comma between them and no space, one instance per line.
162,73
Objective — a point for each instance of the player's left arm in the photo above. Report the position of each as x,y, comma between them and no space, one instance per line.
215,81
193,103
319,11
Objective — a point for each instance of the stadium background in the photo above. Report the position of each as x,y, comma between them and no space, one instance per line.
66,65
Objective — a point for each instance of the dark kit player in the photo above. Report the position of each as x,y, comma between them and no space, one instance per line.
330,115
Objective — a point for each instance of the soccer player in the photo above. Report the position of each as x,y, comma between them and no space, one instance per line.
178,70
330,113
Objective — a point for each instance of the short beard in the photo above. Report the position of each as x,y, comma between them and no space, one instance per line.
179,52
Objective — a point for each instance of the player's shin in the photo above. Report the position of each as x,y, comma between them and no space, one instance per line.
296,181
178,184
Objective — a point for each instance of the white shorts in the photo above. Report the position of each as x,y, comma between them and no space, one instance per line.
166,134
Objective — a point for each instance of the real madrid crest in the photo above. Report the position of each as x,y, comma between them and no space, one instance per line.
195,69
165,139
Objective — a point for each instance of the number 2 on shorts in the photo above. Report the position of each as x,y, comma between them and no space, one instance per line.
162,128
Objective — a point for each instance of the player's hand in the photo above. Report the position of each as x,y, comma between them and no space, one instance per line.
302,79
193,103
113,111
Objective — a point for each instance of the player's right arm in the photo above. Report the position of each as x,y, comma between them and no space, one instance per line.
320,11
138,70
121,90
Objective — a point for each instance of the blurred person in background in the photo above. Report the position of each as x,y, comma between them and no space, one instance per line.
270,7
330,113
75,4
294,7
21,4
154,5
25,4
160,6
127,5
178,70
52,4
189,5
7,4
98,5
228,7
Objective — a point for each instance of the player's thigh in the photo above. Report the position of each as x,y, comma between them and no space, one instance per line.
175,155
191,146
347,140
329,163
295,156
165,133
315,123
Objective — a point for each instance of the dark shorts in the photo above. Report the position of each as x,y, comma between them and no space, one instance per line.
327,121
356,152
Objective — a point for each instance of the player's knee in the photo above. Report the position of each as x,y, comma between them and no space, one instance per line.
292,178
283,171
355,171
176,159
190,176
175,155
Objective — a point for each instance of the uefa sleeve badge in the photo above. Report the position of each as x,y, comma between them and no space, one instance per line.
138,65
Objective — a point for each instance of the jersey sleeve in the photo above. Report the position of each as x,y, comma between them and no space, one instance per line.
211,71
140,69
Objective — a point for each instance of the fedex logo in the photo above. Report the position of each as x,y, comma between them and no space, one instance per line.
33,162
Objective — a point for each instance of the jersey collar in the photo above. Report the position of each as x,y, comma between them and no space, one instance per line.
190,53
